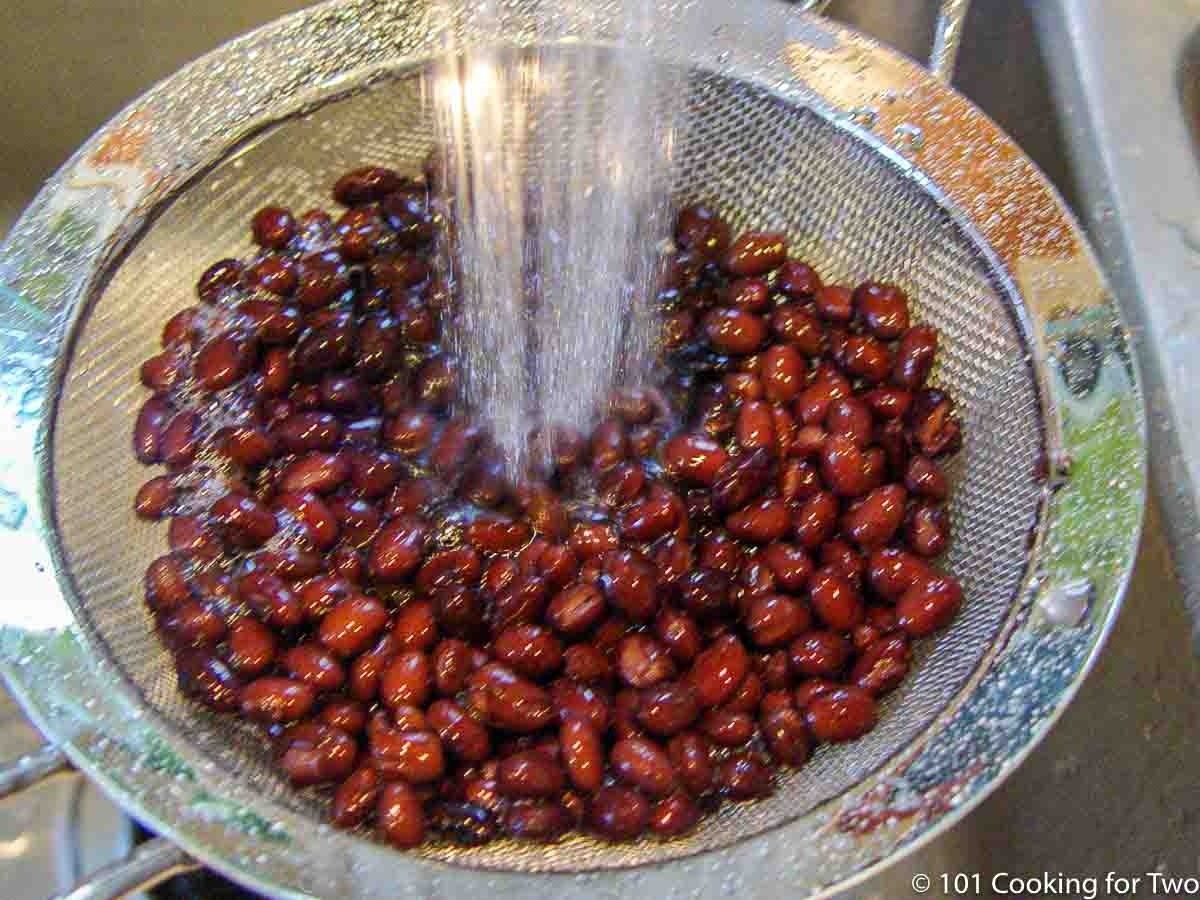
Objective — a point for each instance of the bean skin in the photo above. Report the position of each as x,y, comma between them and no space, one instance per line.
223,361
691,755
925,478
355,798
794,324
873,521
699,228
843,468
273,699
928,605
816,519
776,619
718,670
531,775
630,583
819,653
619,813
531,650
755,253
398,549
271,598
583,754
834,303
841,715
693,458
786,736
643,764
797,279
494,533
667,708
674,815
506,700
914,357
400,816
680,633
414,756
784,373
744,777
927,528
149,428
835,599
755,427
882,665
465,738
761,522
317,472
154,497
252,646
313,664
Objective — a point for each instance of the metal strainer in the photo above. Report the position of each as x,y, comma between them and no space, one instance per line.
871,166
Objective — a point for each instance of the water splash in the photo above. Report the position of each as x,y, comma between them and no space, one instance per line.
557,166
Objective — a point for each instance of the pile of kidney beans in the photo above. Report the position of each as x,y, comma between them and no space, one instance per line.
729,570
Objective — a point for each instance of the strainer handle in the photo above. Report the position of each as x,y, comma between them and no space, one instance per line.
25,771
946,39
149,864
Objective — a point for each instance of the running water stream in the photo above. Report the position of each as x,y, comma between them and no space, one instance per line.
557,173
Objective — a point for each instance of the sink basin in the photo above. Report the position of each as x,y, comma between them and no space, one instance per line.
1092,797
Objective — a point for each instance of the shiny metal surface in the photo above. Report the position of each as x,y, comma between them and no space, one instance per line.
967,72
148,865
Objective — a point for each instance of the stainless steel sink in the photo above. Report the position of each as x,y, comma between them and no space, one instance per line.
1116,786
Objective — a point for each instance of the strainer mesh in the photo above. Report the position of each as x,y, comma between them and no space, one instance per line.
767,164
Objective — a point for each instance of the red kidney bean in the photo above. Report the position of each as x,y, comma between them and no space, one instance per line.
273,699
741,386
349,716
705,594
673,816
289,563
252,647
149,428
358,520
844,559
409,434
793,323
834,303
797,279
642,661
691,756
368,184
355,798
816,519
873,520
414,756
619,813
790,564
223,361
727,728
574,700
206,678
812,403
700,229
883,309
761,522
891,572
609,444
842,467
866,358
195,624
575,610
734,330
179,443
748,695
755,427
400,815
583,754
694,458
458,566
451,666
468,740
643,764
217,279
180,328
786,736
523,600
720,554
407,680
935,429
774,670
271,598
841,714
398,549
495,533
415,626
162,372
835,599
798,480
530,650
585,663
718,670
882,665
927,528
352,625
321,594
506,700
784,373
276,371
530,774
667,708
630,584
154,497
925,478
742,478
248,445
321,278
536,821
888,402
914,357
749,294
775,619
819,653
317,472
928,605
811,688
679,633
274,274
755,253
850,417
744,777
314,665
249,522
622,484
272,322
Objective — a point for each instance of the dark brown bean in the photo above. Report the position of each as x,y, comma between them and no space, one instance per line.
929,604
643,764
530,774
699,228
727,728
217,279
313,664
409,434
619,813
925,478
530,650
888,402
271,598
914,357
179,444
819,653
463,736
744,777
841,714
273,699
734,330
815,521
585,663
398,549
755,253
718,670
744,477
248,521
882,665
414,756
506,700
786,736
761,522
784,373
927,528
834,303
352,625
883,308
872,521
842,467
775,619
400,816
355,798
705,594
643,662
407,680
368,184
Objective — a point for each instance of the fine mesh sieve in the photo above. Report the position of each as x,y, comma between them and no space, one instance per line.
768,158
